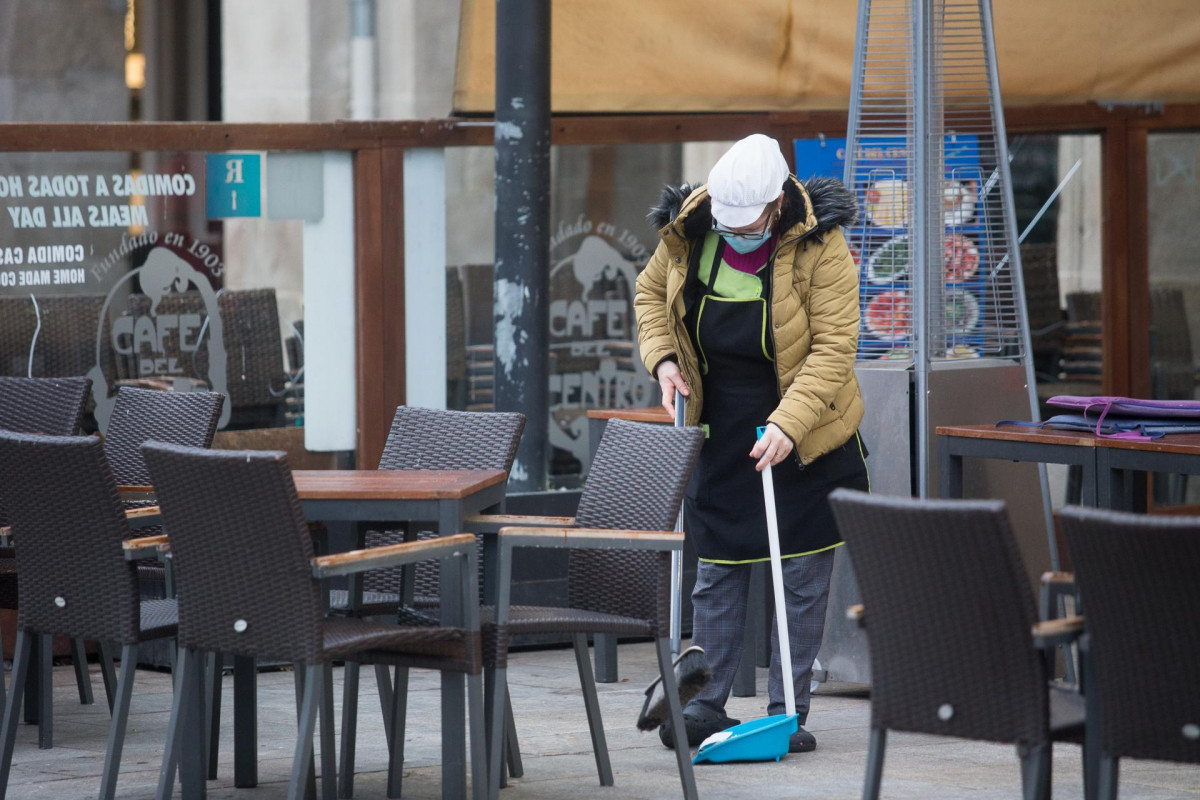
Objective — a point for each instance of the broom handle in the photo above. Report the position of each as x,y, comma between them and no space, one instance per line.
785,646
676,630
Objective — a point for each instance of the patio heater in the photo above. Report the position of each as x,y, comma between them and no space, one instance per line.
944,336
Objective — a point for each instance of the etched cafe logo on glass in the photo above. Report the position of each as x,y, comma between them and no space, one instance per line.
173,332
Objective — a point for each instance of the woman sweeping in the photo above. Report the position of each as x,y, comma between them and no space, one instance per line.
749,308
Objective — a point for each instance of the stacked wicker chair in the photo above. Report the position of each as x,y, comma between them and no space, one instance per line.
75,580
949,613
224,510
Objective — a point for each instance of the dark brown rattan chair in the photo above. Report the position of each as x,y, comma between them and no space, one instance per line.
75,580
949,613
1137,579
49,407
249,586
59,334
254,372
618,571
420,438
139,416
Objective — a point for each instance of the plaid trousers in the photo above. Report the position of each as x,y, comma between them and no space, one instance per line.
719,625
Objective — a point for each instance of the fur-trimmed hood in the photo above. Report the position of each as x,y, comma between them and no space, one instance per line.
819,204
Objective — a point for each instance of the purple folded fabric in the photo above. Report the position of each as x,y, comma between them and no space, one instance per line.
1127,406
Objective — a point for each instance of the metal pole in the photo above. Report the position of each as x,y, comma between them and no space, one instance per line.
920,239
362,59
522,271
1014,251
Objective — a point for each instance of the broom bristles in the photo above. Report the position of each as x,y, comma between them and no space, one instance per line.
691,675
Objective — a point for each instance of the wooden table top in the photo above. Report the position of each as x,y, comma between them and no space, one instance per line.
387,484
1015,433
655,414
1186,443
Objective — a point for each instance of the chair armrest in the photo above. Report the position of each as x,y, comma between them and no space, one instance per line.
492,523
146,547
142,512
1054,632
857,614
591,537
391,555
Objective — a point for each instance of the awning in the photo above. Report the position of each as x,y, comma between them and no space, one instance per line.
766,55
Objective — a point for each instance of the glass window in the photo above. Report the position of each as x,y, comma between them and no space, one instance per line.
1174,240
1057,192
170,271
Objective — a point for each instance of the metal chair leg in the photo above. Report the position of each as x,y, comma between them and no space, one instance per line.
1109,774
329,772
1035,771
591,701
302,760
108,673
12,709
245,722
192,766
397,711
82,677
116,728
875,764
212,710
496,690
476,743
683,757
512,748
349,728
46,691
383,682
166,774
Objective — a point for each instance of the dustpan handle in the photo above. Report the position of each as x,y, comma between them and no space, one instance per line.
785,645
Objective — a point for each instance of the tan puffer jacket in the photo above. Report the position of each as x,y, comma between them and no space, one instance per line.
814,311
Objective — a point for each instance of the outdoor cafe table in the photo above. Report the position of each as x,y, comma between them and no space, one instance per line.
371,499
1104,461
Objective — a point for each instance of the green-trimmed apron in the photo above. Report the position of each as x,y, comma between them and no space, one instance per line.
724,503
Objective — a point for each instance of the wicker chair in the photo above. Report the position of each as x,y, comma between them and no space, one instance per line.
949,613
224,510
66,341
50,407
420,438
75,579
139,416
618,571
255,376
1136,576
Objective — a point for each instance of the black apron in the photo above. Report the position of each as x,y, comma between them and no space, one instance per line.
724,503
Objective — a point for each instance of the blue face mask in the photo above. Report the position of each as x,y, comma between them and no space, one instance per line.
744,244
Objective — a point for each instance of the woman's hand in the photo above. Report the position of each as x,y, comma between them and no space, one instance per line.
670,379
773,447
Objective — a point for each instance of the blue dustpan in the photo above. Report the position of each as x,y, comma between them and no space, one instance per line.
764,739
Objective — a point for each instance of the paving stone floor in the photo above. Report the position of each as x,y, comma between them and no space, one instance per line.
556,747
